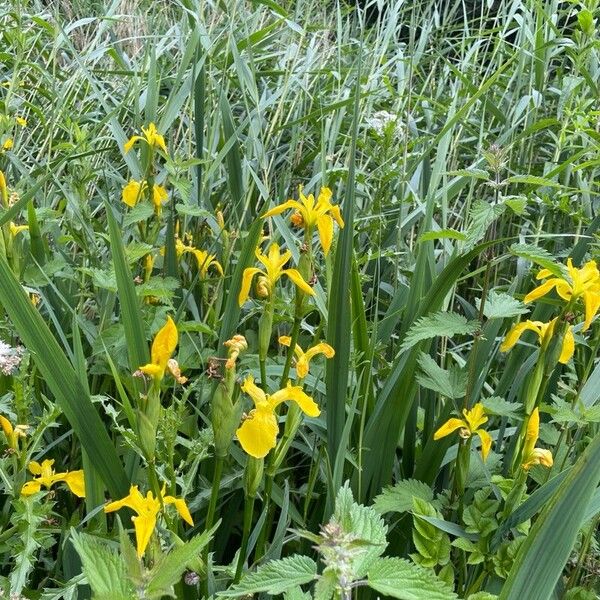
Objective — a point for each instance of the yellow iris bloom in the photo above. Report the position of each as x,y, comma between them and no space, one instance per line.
470,425
531,454
544,331
8,144
147,509
45,476
235,346
163,346
151,137
303,358
206,260
16,229
273,262
12,434
258,432
20,121
133,191
309,213
581,283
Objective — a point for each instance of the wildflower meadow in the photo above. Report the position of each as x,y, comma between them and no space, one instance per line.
299,299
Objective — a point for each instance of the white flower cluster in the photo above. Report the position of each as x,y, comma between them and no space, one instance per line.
10,358
382,120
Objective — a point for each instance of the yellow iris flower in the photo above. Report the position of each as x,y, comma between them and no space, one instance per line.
581,283
206,260
45,476
273,262
12,434
545,331
16,229
309,213
470,425
132,192
20,121
151,137
8,144
235,346
531,454
303,358
147,509
163,346
258,432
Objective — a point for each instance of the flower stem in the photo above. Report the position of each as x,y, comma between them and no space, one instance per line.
210,515
248,513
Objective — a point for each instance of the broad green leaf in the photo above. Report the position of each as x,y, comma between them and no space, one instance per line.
441,235
450,383
440,324
499,305
399,498
537,255
398,578
275,577
104,569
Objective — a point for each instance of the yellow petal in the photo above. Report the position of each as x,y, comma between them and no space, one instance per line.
321,348
532,433
325,227
334,211
285,340
132,192
75,481
568,346
295,276
250,388
144,526
297,395
486,442
258,433
541,290
591,303
450,426
246,283
282,208
164,343
181,508
31,487
130,142
512,337
6,426
152,370
475,417
134,500
302,367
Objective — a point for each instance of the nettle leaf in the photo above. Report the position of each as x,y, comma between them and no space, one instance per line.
499,305
326,585
140,212
159,287
533,180
471,172
499,406
104,279
441,234
537,255
482,596
432,544
275,577
516,203
104,569
481,216
398,578
365,525
439,324
399,498
136,251
451,383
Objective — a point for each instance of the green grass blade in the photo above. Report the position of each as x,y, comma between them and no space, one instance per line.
137,346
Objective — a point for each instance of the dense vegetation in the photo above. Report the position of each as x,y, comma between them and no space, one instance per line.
299,298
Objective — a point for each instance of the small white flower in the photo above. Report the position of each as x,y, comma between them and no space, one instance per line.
10,358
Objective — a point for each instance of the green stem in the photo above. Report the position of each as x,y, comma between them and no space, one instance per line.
263,373
248,513
210,515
